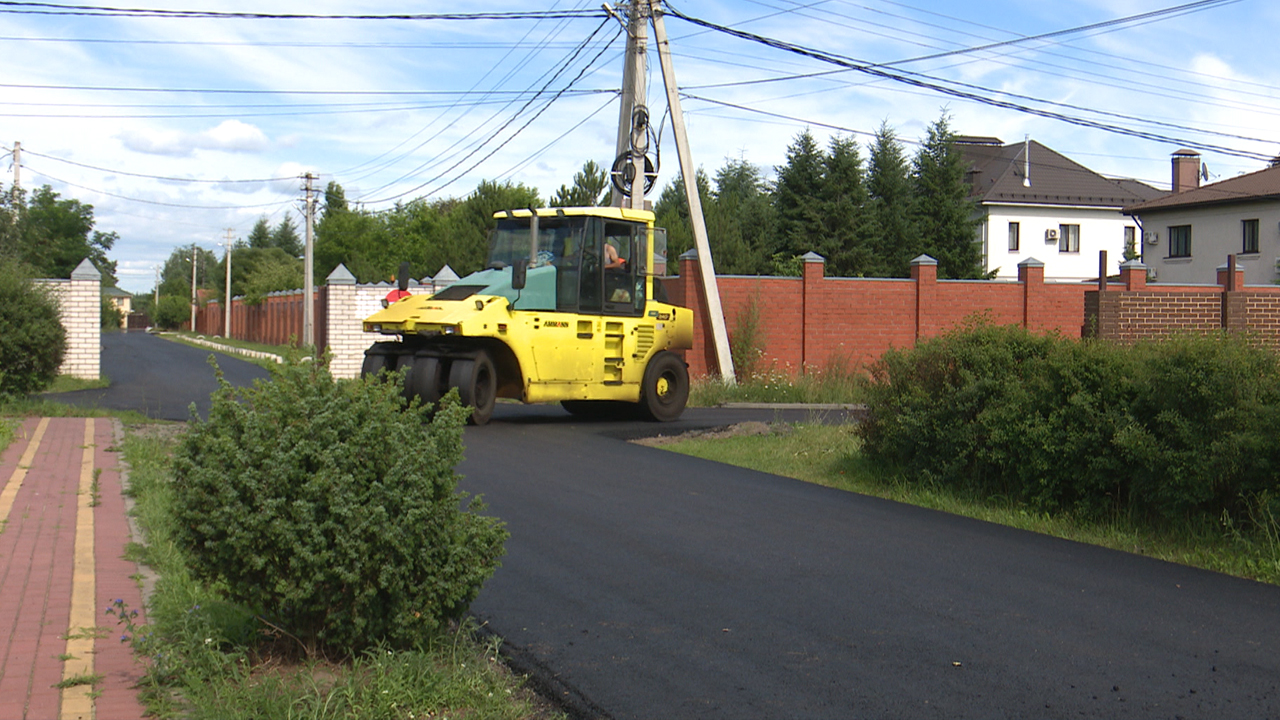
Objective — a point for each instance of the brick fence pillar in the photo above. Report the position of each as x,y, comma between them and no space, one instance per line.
344,329
81,308
810,302
1133,274
1031,275
1234,303
924,271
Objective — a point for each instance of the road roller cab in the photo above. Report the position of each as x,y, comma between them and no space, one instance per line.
567,310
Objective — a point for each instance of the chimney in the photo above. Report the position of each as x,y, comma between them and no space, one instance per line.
1186,170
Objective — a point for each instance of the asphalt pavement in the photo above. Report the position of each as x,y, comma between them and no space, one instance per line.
639,583
644,584
159,378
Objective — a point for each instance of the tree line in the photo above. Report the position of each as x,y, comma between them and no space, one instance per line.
867,219
49,235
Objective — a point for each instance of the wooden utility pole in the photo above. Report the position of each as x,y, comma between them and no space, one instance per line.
634,73
710,288
193,286
226,332
308,265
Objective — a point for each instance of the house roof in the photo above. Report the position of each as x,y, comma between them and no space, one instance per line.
1261,185
997,173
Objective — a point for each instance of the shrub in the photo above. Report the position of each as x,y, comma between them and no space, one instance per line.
112,316
171,312
331,511
32,339
1168,430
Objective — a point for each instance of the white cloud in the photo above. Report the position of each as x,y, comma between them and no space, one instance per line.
230,136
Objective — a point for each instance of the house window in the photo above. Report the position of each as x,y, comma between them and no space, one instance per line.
1180,241
1249,233
1130,242
1069,238
1015,236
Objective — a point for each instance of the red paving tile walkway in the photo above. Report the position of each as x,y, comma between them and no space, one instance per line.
61,566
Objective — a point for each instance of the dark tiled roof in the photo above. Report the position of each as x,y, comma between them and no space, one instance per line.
1260,185
997,174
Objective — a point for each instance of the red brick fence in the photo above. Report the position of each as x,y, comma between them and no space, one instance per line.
813,321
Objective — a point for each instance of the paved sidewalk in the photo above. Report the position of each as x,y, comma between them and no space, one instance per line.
64,534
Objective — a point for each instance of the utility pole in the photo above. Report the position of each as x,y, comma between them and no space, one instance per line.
156,302
17,166
226,333
308,268
634,74
710,288
193,286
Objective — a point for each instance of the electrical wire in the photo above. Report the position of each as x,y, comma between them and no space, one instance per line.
41,8
515,134
154,177
148,202
376,164
541,151
931,83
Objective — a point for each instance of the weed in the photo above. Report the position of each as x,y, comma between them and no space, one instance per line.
95,496
78,680
85,633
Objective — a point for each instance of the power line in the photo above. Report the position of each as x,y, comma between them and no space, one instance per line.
931,83
152,177
149,202
39,8
244,91
476,45
513,136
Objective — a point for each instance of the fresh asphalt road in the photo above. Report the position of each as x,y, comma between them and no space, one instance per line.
159,378
643,584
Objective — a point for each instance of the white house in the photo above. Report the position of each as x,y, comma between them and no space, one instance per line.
1036,203
1189,233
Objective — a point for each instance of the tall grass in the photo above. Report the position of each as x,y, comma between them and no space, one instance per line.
836,382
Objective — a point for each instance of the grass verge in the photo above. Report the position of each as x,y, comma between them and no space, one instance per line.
835,383
207,658
66,383
829,455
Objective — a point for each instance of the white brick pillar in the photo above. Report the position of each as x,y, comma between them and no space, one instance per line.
344,324
80,303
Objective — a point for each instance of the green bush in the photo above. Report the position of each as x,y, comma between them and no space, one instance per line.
333,512
112,316
32,339
1168,430
171,312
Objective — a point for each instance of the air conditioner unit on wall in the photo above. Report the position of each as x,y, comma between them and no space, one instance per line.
1051,235
1152,237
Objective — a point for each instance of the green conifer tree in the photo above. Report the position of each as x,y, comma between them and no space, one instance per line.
943,213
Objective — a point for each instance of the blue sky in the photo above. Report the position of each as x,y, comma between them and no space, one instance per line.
396,109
